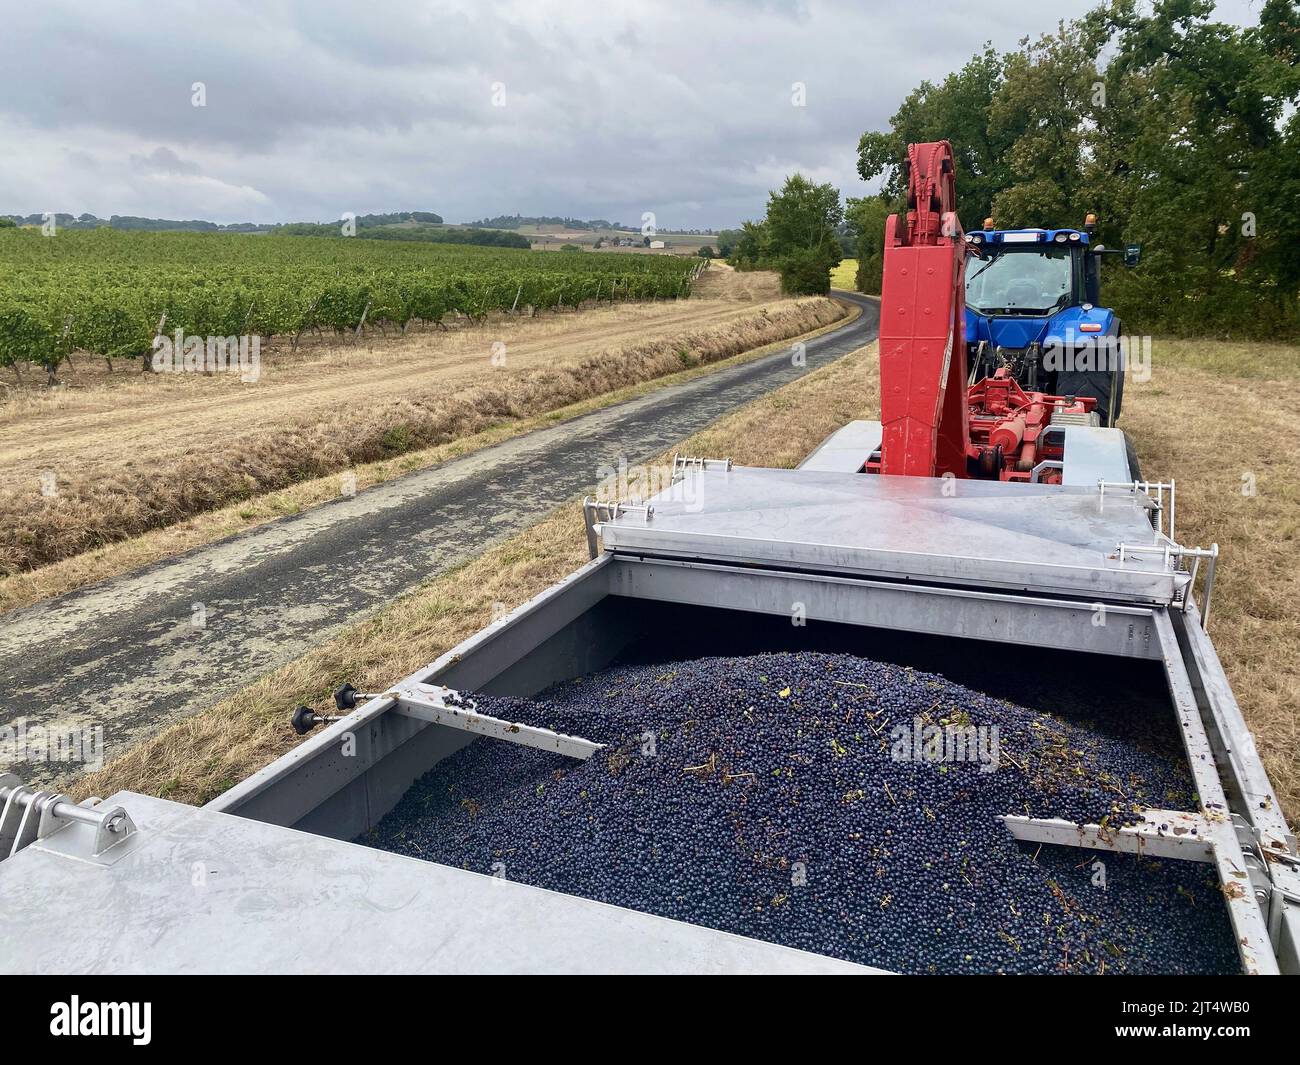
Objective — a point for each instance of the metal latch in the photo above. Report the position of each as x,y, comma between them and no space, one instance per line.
1173,555
682,463
596,511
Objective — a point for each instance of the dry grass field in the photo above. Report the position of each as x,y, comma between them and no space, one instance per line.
845,275
128,452
1179,433
1217,417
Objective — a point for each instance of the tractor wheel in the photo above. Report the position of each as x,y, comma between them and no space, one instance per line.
1105,386
1135,474
1134,470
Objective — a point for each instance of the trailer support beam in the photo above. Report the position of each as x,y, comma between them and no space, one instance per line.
1161,834
446,706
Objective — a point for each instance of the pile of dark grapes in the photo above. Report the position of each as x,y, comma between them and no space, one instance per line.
798,798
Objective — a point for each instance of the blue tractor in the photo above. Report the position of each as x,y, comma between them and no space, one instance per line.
1032,300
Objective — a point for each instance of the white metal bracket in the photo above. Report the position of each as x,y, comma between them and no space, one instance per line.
682,463
1152,495
1161,833
446,706
596,511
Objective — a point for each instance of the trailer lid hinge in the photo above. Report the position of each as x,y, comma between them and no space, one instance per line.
58,825
682,463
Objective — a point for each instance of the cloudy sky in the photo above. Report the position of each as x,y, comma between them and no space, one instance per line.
597,110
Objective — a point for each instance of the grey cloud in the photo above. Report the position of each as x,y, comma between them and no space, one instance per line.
163,160
314,108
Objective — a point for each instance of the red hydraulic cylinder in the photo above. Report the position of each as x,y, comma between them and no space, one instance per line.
1008,434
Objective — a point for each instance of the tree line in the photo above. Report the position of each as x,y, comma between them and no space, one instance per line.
1181,133
429,234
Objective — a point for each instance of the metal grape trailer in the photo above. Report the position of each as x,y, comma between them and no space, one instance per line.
263,878
1068,566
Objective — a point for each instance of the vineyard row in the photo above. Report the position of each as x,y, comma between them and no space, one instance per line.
72,300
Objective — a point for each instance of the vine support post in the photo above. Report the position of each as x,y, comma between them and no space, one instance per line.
146,363
64,342
365,311
307,319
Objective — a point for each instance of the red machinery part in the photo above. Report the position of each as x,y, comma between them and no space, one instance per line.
1009,434
922,335
932,425
1006,426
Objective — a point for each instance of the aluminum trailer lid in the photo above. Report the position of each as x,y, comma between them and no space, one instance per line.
1034,538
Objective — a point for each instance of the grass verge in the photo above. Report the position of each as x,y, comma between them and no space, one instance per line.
1217,417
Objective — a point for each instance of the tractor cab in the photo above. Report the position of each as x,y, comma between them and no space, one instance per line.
1032,300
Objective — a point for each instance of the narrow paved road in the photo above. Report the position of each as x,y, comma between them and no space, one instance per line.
126,655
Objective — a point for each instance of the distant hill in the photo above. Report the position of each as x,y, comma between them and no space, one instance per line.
366,221
394,225
126,221
418,231
196,225
517,221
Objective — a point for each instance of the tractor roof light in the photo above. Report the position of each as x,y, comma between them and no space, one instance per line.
975,238
1059,238
1074,236
988,222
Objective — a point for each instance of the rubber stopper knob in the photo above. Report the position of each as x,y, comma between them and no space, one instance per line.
304,720
346,698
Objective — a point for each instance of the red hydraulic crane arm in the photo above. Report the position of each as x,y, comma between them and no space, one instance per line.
922,325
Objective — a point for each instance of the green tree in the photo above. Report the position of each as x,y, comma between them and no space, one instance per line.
802,220
866,219
751,247
1180,132
1204,172
727,239
1274,184
1044,109
956,110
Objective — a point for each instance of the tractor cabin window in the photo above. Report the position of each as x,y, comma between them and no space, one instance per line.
1036,280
